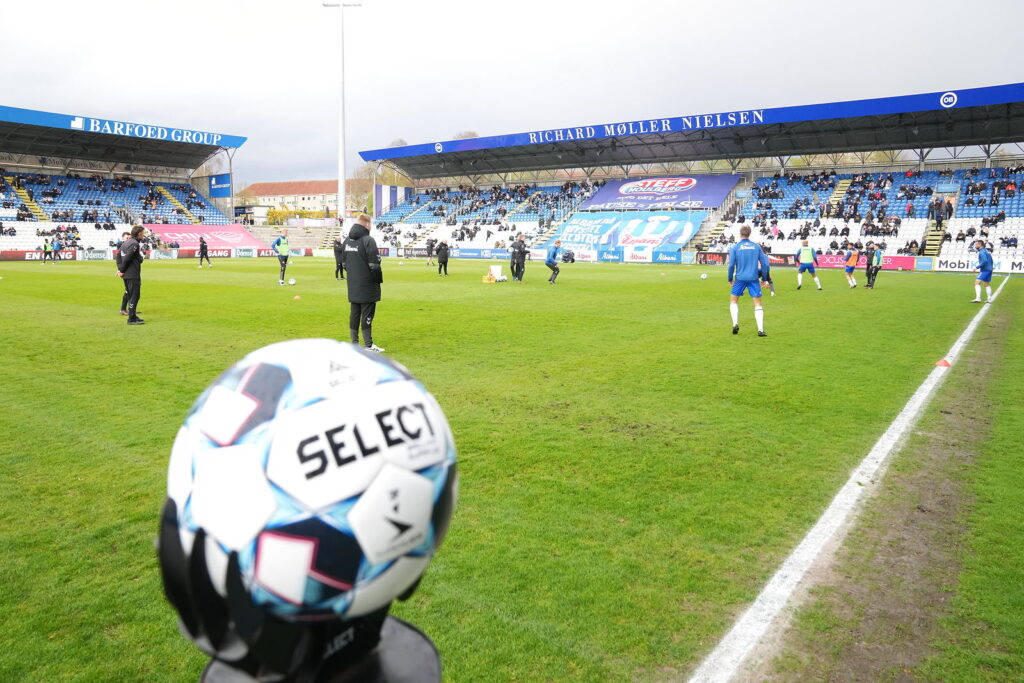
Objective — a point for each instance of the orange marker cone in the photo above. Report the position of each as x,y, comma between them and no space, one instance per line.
943,363
297,297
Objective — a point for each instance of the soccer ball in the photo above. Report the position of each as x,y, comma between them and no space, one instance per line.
292,281
703,276
329,471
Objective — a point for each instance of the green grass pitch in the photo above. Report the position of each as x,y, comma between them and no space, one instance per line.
632,473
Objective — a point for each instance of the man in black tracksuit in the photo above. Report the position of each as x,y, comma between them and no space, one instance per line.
518,258
442,258
339,258
117,260
129,267
430,252
203,252
364,277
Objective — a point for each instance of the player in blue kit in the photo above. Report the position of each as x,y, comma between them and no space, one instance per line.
984,270
746,259
807,258
552,261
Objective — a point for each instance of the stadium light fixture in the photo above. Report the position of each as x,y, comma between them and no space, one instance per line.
341,103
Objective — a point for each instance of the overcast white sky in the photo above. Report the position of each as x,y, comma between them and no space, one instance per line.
423,71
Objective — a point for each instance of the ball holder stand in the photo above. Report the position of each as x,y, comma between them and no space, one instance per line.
249,645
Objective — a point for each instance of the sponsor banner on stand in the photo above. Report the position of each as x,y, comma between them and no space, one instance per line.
782,259
668,257
324,253
924,263
610,255
538,254
652,230
163,254
637,256
466,253
95,255
245,252
711,258
266,252
381,251
967,265
888,262
217,236
413,252
586,255
681,192
688,257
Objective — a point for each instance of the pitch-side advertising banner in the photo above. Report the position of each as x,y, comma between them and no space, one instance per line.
217,236
967,265
641,230
680,192
888,262
65,255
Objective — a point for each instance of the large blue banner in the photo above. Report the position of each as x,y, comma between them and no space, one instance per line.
220,185
689,192
637,231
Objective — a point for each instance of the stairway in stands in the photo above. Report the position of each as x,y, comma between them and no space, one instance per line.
23,196
837,195
329,235
933,239
176,204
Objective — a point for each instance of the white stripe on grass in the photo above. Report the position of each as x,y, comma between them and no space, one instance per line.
724,662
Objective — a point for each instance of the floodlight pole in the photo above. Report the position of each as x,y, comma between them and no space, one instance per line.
341,105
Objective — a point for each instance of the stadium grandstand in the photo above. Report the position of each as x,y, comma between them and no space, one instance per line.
84,180
911,171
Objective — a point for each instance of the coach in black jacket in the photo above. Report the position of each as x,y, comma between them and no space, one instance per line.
442,258
364,277
129,264
339,258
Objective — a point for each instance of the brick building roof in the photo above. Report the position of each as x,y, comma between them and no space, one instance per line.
306,187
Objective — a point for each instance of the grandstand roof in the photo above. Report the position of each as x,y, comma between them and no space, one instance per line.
45,134
975,116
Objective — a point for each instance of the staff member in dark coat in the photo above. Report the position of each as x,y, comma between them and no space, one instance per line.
442,258
117,260
339,258
129,265
518,258
364,277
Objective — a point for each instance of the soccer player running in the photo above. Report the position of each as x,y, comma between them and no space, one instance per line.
518,258
745,260
808,259
204,252
852,256
552,261
984,271
280,245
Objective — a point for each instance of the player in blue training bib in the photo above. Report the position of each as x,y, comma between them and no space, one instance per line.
984,271
747,266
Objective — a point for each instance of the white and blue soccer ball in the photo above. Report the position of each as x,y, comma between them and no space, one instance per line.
328,469
703,276
291,281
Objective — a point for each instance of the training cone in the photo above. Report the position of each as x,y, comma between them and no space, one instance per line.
296,297
943,363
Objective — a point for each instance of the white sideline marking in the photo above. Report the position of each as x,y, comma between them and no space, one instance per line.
724,661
